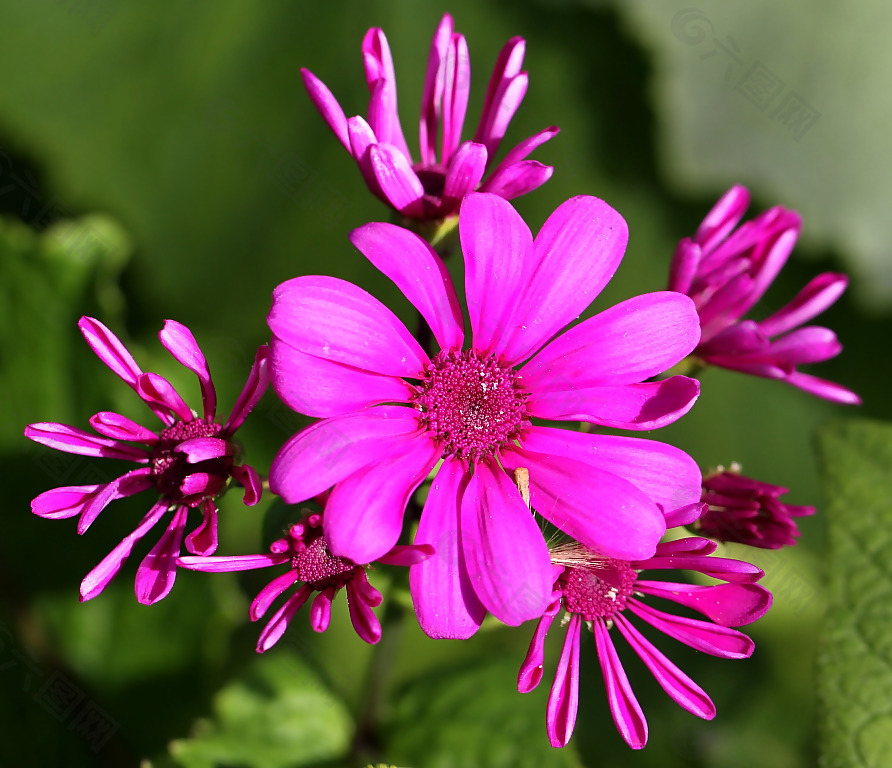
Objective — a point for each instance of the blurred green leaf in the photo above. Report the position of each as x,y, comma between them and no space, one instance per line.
46,280
473,717
855,660
276,714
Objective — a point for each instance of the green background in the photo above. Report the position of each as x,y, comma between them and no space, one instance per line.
163,161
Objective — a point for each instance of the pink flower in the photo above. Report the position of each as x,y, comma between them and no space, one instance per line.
726,271
747,511
304,548
448,168
188,462
602,592
391,413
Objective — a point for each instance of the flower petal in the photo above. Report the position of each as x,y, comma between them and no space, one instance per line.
563,701
731,605
466,168
517,179
327,105
158,570
398,181
508,562
203,540
432,96
119,427
63,502
61,437
496,244
110,350
456,89
444,600
819,294
576,253
681,689
277,625
663,472
133,482
530,673
723,217
383,114
328,451
629,406
624,706
822,388
268,595
228,563
335,320
362,616
179,341
158,392
364,513
97,579
254,389
250,479
630,342
198,449
418,272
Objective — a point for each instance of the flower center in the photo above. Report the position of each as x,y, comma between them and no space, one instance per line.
175,477
316,566
473,405
598,590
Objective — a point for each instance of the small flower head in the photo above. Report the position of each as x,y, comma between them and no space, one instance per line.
601,595
188,462
432,187
747,511
726,269
311,564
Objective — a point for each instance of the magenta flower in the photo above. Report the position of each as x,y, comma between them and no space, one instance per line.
747,511
391,413
189,462
601,593
304,548
448,167
726,271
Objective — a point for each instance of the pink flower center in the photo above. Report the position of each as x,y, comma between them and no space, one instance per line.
473,405
181,481
598,590
316,566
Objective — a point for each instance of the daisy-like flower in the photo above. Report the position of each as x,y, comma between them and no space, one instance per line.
310,561
726,270
188,462
448,168
603,594
391,413
748,511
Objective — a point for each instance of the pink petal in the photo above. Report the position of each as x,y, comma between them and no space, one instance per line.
327,105
812,344
407,554
496,244
250,479
723,217
508,562
432,97
97,579
601,511
320,610
199,449
159,392
255,386
322,388
630,342
364,514
232,562
133,482
158,570
419,273
629,406
383,113
179,341
681,689
723,568
444,600
819,294
328,451
823,388
362,616
517,179
268,595
464,173
74,440
731,605
508,65
624,706
456,88
663,472
362,138
576,253
277,625
530,674
338,321
563,701
63,502
110,350
119,427
701,635
521,150
202,540
683,267
398,182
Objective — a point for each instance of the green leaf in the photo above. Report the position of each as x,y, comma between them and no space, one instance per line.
473,716
277,714
855,661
